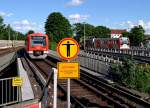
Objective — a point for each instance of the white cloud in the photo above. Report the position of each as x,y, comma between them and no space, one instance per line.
141,22
25,25
76,2
25,22
78,17
130,24
3,14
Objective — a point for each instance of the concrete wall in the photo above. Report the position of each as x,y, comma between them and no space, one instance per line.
6,43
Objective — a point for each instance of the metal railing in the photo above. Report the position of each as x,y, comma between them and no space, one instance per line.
97,63
9,94
134,52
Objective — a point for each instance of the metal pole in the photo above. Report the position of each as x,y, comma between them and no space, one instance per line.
13,40
16,39
16,36
68,89
68,95
84,35
8,34
55,88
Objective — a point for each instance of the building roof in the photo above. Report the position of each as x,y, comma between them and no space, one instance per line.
118,31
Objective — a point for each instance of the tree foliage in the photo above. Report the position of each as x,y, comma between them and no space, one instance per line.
6,32
102,32
79,29
90,30
30,32
125,34
132,75
136,35
57,27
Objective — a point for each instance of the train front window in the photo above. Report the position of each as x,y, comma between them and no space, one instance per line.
124,41
38,41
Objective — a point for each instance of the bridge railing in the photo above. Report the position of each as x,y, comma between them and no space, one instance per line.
9,94
133,52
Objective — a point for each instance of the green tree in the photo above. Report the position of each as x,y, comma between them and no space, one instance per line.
7,32
20,36
1,22
30,32
57,27
126,34
79,30
102,32
136,35
2,27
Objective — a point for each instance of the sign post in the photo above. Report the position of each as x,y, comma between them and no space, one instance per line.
68,49
68,95
55,89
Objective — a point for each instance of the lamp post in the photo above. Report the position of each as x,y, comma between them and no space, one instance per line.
8,35
84,35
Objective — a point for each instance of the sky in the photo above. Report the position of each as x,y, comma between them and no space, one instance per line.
24,15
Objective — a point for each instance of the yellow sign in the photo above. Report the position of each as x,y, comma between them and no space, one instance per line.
68,48
68,70
17,81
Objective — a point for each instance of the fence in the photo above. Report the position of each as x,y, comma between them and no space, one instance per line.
10,43
134,52
9,94
97,63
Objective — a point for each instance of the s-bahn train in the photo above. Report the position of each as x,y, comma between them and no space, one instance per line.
112,43
147,44
37,45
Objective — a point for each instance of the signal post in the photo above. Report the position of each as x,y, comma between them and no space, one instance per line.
68,49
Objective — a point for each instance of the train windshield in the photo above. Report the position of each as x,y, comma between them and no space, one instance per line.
38,40
125,40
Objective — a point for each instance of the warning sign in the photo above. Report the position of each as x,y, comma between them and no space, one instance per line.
68,70
17,81
68,48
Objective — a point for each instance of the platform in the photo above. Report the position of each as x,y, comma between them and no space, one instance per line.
26,89
26,104
54,54
6,60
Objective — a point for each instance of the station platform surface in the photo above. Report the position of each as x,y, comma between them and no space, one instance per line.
26,88
6,60
4,47
26,104
53,53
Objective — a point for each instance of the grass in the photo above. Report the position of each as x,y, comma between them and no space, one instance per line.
53,46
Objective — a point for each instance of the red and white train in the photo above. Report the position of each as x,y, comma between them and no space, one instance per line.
112,43
37,45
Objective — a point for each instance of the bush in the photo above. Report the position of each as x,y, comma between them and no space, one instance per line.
52,45
132,75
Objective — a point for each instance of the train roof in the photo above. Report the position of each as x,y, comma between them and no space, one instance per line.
37,34
106,38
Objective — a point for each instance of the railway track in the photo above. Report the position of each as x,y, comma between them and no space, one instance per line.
8,50
88,91
114,92
81,95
